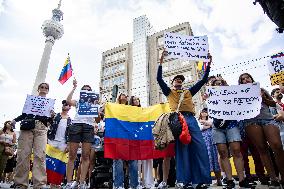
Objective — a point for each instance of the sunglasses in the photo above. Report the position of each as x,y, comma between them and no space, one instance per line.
66,105
43,87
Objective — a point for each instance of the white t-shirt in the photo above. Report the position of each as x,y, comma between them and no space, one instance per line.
86,120
61,129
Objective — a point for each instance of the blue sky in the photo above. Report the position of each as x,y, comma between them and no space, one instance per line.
238,31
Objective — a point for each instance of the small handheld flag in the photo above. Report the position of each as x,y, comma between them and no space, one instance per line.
66,71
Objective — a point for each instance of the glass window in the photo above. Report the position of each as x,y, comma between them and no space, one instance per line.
106,71
121,67
183,32
161,41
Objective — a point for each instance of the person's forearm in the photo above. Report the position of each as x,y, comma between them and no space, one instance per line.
69,97
165,89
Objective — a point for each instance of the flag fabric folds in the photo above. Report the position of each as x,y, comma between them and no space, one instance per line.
66,71
128,132
56,161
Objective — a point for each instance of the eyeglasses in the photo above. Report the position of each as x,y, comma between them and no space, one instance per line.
43,87
65,104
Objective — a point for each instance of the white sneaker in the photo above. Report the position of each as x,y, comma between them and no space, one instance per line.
68,186
83,186
74,184
162,185
179,186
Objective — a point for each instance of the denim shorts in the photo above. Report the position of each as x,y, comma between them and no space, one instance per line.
81,132
223,136
262,122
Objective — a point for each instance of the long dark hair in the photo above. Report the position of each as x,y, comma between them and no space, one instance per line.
5,126
240,78
118,99
207,117
131,101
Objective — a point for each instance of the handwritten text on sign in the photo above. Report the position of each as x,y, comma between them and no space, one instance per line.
37,105
236,102
186,47
276,70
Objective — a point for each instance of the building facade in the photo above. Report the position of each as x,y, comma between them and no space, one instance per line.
138,64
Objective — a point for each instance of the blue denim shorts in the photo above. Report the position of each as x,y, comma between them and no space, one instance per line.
262,122
223,136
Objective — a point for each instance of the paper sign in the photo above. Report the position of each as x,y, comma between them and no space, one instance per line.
186,47
276,70
277,78
37,105
236,102
88,104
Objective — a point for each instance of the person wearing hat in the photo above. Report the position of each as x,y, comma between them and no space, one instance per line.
192,162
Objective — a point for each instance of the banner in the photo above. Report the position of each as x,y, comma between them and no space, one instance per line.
128,132
236,102
276,70
186,47
37,105
88,104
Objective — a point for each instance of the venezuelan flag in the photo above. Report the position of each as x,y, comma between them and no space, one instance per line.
56,161
66,71
128,132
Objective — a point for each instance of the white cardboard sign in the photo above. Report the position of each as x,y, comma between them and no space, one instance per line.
37,105
236,102
186,47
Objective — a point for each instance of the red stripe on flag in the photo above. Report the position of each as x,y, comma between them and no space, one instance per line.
115,148
65,77
53,177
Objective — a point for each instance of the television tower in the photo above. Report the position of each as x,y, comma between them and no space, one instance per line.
52,30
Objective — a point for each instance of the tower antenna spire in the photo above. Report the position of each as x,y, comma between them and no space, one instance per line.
59,4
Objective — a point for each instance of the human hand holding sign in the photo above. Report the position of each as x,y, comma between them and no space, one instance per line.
162,56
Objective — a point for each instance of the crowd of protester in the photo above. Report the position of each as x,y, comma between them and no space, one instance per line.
213,143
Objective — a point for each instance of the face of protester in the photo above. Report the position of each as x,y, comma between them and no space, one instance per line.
43,89
177,83
66,107
87,88
9,125
204,114
136,101
246,79
123,99
278,95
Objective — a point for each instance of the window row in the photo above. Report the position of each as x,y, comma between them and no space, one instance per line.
114,81
113,69
115,57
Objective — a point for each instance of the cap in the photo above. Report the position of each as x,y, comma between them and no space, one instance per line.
179,77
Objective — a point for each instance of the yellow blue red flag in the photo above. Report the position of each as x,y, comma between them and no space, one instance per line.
56,161
128,132
66,71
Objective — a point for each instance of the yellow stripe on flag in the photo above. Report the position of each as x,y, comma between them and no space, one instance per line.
135,114
56,153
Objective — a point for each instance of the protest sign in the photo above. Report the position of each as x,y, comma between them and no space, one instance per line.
88,104
236,102
186,47
276,70
37,105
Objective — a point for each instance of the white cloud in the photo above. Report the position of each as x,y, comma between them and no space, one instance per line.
236,29
5,78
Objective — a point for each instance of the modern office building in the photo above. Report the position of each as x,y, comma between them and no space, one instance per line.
133,66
